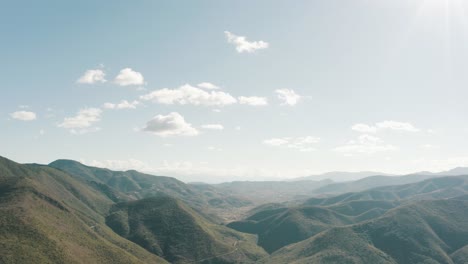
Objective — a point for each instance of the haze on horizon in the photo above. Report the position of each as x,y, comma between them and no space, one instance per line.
221,91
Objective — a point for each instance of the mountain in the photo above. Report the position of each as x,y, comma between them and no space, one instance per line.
270,191
341,176
420,232
207,199
47,216
168,228
370,182
278,227
435,188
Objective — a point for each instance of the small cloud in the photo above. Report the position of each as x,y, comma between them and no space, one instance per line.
253,100
124,104
82,122
288,96
363,128
172,124
189,95
23,115
365,144
212,148
242,45
92,76
385,125
213,127
303,144
429,146
128,76
208,86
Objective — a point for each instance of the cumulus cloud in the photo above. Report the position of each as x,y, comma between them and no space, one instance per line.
128,76
385,125
187,94
394,125
288,96
253,100
365,144
242,45
213,127
300,143
82,122
23,115
92,76
124,104
208,86
363,128
172,124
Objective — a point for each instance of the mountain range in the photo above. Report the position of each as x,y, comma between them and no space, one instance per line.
67,212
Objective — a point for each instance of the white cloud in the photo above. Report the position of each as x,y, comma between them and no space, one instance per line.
208,86
172,124
300,143
213,127
385,125
394,125
23,115
213,148
365,144
84,119
188,94
92,76
128,76
253,100
124,104
363,128
242,45
288,96
429,146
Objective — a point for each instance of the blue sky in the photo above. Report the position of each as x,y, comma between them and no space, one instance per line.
236,90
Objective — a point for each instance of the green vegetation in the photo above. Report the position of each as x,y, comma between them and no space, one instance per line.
71,213
420,232
170,229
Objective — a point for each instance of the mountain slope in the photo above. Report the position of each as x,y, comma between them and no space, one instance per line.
370,182
435,188
48,216
282,226
138,185
421,232
170,229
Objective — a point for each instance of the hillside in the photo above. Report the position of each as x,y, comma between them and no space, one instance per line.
271,191
135,185
370,182
282,226
341,176
421,232
47,216
435,188
170,229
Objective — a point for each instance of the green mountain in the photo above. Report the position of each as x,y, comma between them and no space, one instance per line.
214,204
370,182
168,228
271,191
47,216
282,226
435,188
420,232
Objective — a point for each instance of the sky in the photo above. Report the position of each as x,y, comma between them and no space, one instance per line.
236,90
